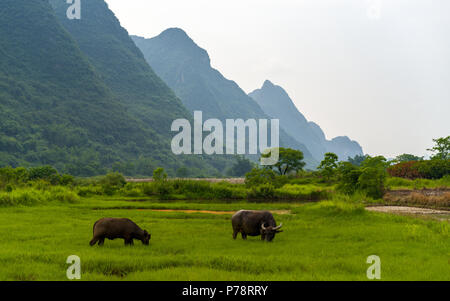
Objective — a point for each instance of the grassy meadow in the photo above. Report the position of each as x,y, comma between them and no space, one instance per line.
328,234
327,240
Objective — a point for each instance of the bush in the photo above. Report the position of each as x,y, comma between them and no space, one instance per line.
434,169
348,177
259,176
261,192
66,180
148,189
371,181
9,175
112,182
407,170
159,174
369,178
44,172
164,189
130,190
426,169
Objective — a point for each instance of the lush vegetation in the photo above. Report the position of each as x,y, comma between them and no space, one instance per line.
46,216
79,96
423,169
199,246
284,182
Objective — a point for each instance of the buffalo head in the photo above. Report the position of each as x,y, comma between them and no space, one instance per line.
146,238
268,233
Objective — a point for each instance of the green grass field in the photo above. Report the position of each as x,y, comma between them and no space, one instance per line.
321,241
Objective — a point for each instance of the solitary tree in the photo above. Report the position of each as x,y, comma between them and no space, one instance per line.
441,149
289,160
328,165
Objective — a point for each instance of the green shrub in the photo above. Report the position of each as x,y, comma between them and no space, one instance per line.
262,192
164,189
370,177
148,189
66,180
131,190
434,169
9,175
425,169
372,181
112,182
348,177
159,174
43,172
259,176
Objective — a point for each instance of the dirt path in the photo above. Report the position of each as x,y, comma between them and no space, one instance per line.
406,210
419,212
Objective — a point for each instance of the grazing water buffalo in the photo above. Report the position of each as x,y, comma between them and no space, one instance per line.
255,223
112,228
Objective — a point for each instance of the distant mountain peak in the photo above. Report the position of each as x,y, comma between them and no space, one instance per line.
178,44
275,102
268,84
175,33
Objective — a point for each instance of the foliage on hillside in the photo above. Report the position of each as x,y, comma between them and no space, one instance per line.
83,112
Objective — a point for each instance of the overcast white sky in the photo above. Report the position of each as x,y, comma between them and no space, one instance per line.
375,70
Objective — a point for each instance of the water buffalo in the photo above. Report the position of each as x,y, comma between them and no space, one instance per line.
255,223
112,228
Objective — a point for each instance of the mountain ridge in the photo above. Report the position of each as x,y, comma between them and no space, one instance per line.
186,68
276,102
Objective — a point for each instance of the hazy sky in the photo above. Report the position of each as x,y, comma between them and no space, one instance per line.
377,71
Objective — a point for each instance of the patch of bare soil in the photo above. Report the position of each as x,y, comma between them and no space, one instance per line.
420,212
430,198
211,180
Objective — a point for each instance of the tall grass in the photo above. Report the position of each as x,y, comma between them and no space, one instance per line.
401,183
34,196
321,241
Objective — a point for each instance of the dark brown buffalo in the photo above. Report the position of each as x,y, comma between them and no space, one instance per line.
112,228
255,223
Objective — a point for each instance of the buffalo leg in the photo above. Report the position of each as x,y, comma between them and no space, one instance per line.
263,236
101,241
93,241
244,236
235,233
